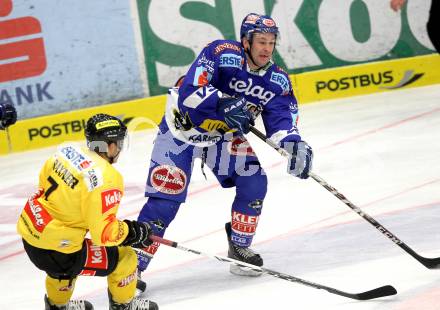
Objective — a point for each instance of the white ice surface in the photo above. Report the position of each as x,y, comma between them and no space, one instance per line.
381,151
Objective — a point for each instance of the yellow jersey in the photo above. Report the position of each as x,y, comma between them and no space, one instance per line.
79,192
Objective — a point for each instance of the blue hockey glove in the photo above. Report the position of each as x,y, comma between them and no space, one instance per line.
300,164
235,113
8,115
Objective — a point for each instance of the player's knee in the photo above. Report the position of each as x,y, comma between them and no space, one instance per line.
127,264
127,257
252,187
250,193
159,213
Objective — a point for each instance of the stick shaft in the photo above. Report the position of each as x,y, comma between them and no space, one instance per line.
430,263
375,293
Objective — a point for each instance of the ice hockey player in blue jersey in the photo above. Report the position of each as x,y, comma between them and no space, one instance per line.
226,88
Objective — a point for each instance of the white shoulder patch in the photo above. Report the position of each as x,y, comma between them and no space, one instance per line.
93,178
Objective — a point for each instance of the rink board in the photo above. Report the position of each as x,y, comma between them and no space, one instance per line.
57,128
367,78
309,87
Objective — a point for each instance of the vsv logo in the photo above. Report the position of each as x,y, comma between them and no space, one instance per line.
22,53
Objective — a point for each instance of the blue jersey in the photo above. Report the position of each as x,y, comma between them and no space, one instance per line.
221,69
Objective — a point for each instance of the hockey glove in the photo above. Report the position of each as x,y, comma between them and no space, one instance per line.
235,113
8,115
300,164
138,234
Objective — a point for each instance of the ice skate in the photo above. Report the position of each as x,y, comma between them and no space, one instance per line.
242,254
72,305
136,303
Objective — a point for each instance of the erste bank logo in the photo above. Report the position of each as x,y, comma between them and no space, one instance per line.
22,53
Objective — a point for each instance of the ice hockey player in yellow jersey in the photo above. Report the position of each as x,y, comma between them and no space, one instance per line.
79,192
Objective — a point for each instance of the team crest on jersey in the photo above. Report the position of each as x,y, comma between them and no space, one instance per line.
110,199
202,76
282,81
239,146
168,179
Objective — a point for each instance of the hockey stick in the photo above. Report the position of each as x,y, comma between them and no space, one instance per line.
431,263
382,291
8,137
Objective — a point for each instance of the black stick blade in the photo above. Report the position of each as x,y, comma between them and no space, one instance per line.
383,291
430,263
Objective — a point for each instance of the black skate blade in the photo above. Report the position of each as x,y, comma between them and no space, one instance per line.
244,271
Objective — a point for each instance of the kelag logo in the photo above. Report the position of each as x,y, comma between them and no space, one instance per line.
22,52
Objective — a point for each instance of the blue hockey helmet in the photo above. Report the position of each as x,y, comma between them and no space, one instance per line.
256,23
